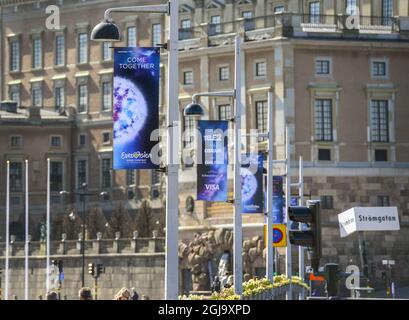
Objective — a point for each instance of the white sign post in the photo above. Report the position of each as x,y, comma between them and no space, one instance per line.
368,219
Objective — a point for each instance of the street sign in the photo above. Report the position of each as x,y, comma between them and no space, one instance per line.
279,235
390,262
368,219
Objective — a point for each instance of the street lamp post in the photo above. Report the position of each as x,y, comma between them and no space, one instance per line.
108,31
195,109
82,195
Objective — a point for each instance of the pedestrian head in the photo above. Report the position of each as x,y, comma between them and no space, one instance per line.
52,295
85,293
123,294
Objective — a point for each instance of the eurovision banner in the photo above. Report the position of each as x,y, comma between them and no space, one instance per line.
251,172
278,199
212,181
136,107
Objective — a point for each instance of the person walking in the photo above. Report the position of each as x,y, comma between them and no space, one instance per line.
216,285
134,295
85,293
52,295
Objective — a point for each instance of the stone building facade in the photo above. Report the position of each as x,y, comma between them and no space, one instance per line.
342,92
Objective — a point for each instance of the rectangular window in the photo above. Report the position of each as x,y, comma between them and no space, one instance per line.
324,154
262,118
248,20
383,201
106,95
15,55
106,51
37,96
387,12
156,34
381,155
185,24
16,141
261,69
215,25
378,68
106,173
82,172
323,120
16,177
37,53
224,73
351,7
188,78
106,137
82,48
56,175
130,177
131,36
278,9
155,180
55,141
379,121
59,97
314,10
60,50
82,140
14,91
82,98
224,112
327,202
322,67
189,127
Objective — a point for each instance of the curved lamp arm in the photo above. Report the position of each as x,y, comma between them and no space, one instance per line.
160,8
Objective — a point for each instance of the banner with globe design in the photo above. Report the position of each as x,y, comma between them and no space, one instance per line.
278,199
135,108
251,173
212,181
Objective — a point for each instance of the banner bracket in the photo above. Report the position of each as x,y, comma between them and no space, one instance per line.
162,169
230,201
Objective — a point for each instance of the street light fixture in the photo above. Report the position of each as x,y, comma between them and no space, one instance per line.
71,216
107,30
194,109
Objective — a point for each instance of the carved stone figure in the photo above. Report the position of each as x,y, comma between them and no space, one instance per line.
190,205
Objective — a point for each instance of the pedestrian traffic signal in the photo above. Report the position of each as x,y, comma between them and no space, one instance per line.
91,269
307,238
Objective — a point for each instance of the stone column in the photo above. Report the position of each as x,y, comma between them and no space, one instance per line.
198,12
116,242
63,244
134,241
260,9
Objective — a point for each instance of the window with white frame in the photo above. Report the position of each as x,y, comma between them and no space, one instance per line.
156,34
56,176
224,73
189,127
37,94
81,172
37,53
323,120
224,112
278,9
15,55
60,50
131,36
379,121
261,117
379,68
260,69
185,24
215,25
322,66
106,95
14,93
106,173
387,12
314,11
188,78
82,47
59,97
82,98
106,51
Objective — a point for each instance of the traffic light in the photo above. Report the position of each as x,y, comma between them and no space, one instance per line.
308,238
100,269
91,269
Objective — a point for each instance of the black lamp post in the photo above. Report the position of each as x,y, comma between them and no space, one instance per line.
82,194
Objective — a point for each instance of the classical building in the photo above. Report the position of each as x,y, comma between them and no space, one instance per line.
339,84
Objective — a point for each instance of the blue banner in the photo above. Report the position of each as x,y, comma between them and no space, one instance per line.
212,181
135,107
252,184
278,200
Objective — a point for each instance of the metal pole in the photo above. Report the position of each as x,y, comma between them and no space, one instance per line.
301,267
48,227
6,273
237,245
172,183
83,241
288,258
26,236
270,248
